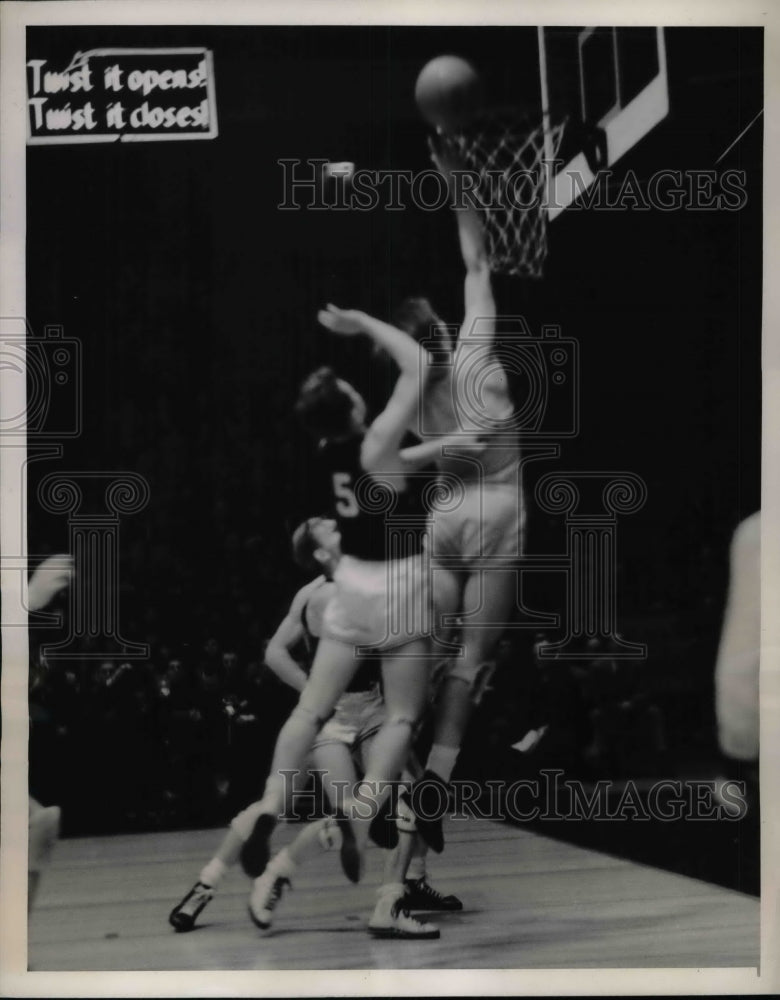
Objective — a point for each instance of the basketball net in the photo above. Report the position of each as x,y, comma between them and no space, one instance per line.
509,156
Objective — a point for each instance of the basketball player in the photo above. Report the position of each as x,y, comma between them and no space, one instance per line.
467,399
339,746
53,575
737,666
382,590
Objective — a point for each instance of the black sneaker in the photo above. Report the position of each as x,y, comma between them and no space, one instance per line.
266,894
421,896
256,851
182,917
429,801
351,860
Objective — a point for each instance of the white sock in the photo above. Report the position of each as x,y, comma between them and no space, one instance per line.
213,873
391,891
442,760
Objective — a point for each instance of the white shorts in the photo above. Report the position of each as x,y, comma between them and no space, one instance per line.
380,604
488,522
358,716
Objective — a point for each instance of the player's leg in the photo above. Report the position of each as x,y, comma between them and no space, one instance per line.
331,756
489,525
447,592
487,599
43,830
333,668
419,894
405,876
182,918
391,917
405,680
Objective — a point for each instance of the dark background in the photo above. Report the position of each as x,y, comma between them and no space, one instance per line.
194,300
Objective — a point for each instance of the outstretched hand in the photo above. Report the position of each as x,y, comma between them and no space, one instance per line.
52,576
345,321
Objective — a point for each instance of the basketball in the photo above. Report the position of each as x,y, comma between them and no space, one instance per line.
448,92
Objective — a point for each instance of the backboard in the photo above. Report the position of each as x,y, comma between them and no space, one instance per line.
610,86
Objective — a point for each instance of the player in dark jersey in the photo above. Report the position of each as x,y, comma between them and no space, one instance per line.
382,597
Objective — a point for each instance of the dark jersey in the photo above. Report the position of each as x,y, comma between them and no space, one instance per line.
380,517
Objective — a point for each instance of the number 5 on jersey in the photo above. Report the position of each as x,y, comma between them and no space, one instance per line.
346,502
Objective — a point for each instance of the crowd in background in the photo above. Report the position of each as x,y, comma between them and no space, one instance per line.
185,737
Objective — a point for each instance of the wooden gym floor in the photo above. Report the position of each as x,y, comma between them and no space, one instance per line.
529,903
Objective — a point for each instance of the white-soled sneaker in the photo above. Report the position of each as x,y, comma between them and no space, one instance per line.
267,892
396,922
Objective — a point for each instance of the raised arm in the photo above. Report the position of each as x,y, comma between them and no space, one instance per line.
290,632
399,345
478,291
380,450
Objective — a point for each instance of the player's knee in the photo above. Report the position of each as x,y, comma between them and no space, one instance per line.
330,835
408,719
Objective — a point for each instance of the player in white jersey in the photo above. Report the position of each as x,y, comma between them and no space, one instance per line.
338,753
467,401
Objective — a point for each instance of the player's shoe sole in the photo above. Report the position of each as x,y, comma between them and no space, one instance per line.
394,932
